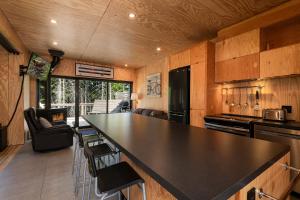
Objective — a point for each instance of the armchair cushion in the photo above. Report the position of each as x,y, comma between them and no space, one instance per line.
138,111
45,123
152,113
56,130
146,112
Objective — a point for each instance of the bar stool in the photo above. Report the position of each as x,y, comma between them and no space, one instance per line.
110,180
83,137
103,154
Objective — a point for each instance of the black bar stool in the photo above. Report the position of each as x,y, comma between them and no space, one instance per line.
110,180
103,154
83,137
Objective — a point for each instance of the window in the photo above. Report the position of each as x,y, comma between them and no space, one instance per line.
94,96
41,94
119,97
63,96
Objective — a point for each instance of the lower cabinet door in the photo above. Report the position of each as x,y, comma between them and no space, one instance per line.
197,118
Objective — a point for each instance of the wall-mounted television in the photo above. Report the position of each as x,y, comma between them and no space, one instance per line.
38,67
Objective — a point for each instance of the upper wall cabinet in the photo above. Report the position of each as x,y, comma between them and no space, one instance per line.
241,45
280,45
237,69
237,58
180,59
280,62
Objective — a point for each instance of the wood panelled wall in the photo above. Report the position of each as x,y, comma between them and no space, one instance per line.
159,103
275,93
10,83
66,68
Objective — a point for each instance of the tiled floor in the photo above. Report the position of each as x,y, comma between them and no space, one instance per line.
7,155
39,176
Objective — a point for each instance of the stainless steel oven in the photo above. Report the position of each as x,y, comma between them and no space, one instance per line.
237,130
234,124
284,136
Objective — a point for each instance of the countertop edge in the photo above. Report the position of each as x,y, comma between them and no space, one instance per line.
245,181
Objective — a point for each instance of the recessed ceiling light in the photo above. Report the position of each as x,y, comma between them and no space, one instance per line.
126,65
55,43
158,49
131,15
53,21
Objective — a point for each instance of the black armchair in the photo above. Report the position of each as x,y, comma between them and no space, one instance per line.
44,139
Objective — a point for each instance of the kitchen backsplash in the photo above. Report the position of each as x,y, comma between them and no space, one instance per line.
273,94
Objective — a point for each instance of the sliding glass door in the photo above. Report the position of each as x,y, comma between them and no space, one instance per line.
63,96
84,97
119,97
92,98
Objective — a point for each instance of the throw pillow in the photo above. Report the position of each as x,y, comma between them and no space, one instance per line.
45,123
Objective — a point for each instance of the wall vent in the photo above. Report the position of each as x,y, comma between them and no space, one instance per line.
102,72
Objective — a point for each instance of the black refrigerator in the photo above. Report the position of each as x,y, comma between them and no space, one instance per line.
179,95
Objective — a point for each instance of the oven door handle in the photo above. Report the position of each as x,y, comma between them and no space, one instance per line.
275,134
210,125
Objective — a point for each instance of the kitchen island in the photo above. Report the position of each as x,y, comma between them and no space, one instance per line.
185,162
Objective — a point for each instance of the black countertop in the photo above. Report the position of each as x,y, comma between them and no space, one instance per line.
294,125
190,162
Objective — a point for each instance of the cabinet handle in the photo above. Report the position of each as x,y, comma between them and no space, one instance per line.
286,166
261,194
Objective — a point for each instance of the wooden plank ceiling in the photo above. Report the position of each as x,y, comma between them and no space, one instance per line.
100,30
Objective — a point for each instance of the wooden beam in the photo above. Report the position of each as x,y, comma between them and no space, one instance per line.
277,14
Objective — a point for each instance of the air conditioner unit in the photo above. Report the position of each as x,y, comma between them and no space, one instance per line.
102,72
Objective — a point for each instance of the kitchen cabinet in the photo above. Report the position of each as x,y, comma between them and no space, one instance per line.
273,181
280,61
237,58
236,69
203,89
198,86
180,59
197,118
199,53
241,45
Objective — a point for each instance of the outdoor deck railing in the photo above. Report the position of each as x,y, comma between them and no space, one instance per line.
86,108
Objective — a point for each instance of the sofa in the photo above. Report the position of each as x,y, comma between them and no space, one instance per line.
51,138
151,113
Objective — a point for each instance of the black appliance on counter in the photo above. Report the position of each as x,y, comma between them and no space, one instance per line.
179,95
229,123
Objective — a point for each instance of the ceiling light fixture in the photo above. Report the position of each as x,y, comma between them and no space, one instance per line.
131,15
53,21
126,65
55,43
158,49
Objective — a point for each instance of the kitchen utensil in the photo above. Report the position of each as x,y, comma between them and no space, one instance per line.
246,104
232,103
240,97
256,107
226,100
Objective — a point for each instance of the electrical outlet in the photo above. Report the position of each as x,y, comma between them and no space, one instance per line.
251,194
287,108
